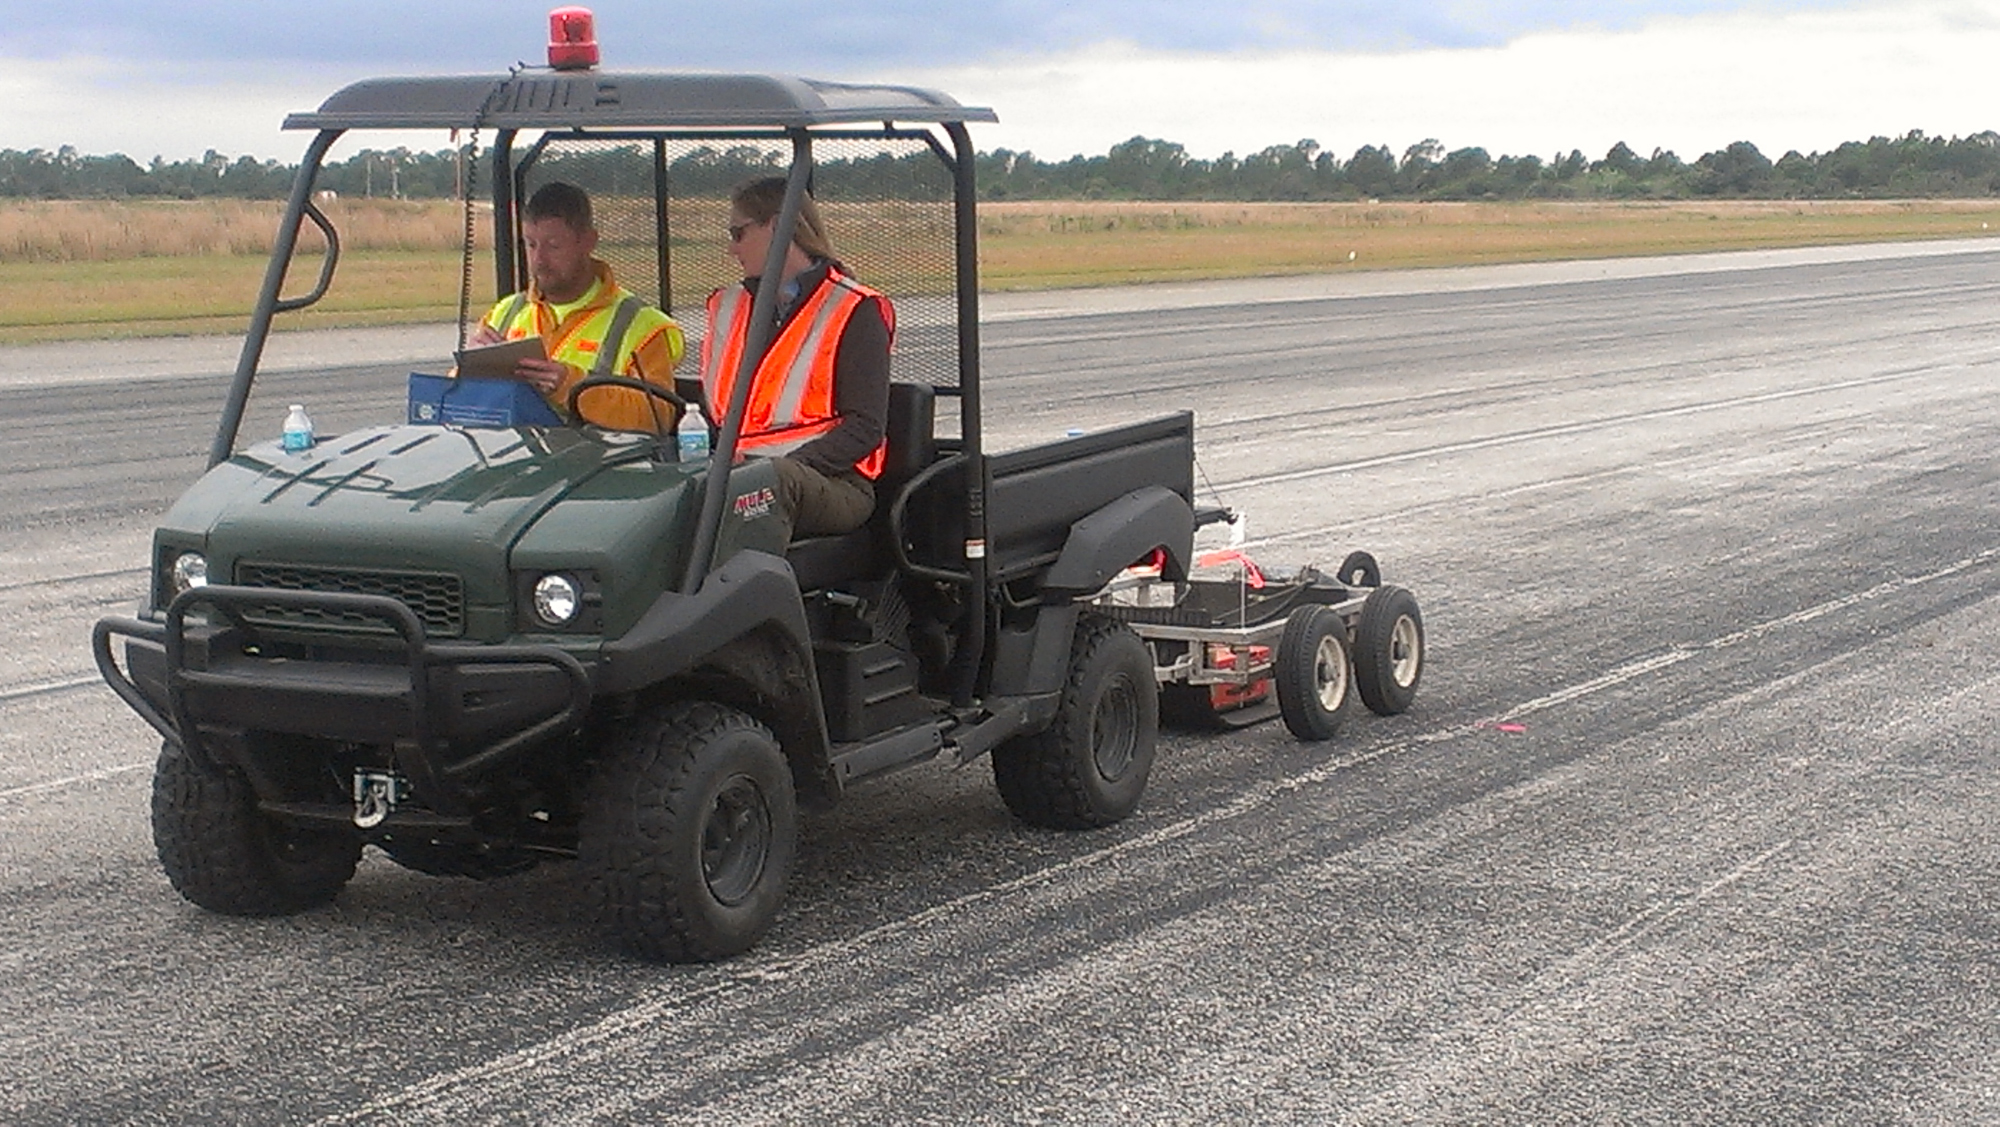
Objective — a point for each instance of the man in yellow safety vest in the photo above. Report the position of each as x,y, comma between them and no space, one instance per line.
589,324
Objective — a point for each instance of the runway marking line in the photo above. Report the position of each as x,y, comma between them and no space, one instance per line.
74,780
1561,429
1544,991
79,577
44,690
1662,911
437,1090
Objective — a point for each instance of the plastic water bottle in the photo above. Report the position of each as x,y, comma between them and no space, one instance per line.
693,436
298,432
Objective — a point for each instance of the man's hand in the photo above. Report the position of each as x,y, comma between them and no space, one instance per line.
542,375
482,336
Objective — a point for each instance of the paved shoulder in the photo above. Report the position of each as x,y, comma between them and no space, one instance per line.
215,357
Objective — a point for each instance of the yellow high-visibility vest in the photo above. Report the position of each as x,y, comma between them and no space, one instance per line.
609,331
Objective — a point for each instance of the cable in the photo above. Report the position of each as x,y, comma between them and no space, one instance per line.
472,179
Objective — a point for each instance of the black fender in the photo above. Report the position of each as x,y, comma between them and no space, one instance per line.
745,626
1118,535
1032,656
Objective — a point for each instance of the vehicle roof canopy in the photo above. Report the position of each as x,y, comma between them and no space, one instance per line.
614,100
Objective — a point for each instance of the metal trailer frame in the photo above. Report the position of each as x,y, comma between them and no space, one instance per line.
1173,623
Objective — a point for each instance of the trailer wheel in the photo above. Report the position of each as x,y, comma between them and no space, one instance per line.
1359,570
225,855
1089,766
1312,674
689,829
1388,650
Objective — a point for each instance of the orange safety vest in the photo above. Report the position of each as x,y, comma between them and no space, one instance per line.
791,395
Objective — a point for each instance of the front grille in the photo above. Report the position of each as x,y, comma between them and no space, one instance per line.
438,600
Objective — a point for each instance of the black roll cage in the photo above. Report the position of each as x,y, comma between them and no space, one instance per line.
656,108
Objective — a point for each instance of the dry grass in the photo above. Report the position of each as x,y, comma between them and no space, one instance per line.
1044,245
163,268
106,231
182,296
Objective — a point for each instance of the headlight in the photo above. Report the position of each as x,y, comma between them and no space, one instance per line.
190,570
557,599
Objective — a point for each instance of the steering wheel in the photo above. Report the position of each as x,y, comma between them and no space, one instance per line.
655,390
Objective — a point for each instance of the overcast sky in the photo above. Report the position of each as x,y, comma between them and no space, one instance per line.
145,77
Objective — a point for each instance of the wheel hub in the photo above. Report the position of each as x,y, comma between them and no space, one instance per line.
1113,730
735,840
1405,651
1330,673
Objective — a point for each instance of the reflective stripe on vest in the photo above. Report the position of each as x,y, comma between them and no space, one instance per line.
791,395
614,338
514,308
604,359
627,311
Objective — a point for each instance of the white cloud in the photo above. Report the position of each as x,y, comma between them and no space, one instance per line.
1806,81
105,106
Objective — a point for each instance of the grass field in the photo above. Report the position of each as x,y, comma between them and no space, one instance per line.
72,270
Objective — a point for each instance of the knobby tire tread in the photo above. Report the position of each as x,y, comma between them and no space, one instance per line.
221,853
1039,776
634,804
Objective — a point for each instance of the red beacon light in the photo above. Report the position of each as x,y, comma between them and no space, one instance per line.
572,39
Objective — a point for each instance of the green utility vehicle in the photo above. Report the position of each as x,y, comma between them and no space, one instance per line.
477,649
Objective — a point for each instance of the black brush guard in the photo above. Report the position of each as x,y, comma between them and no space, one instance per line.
430,701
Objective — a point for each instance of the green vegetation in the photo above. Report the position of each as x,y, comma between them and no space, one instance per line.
1911,166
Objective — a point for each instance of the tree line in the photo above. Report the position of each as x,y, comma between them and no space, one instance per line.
1913,165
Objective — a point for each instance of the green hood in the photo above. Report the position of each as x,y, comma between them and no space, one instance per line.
399,498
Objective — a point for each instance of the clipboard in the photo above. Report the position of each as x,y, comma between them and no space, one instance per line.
497,361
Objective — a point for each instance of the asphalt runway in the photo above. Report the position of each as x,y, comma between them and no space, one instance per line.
1696,819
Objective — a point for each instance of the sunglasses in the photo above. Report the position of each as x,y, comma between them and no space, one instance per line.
736,231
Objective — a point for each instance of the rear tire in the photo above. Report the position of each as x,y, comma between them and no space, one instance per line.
1089,767
225,855
1389,650
689,830
1312,674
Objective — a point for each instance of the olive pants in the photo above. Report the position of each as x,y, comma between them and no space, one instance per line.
818,505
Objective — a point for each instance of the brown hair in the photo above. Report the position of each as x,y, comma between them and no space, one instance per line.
759,201
557,200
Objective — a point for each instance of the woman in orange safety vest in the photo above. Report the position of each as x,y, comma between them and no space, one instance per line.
819,398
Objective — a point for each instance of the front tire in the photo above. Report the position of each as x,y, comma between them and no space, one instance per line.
689,831
224,854
1089,767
